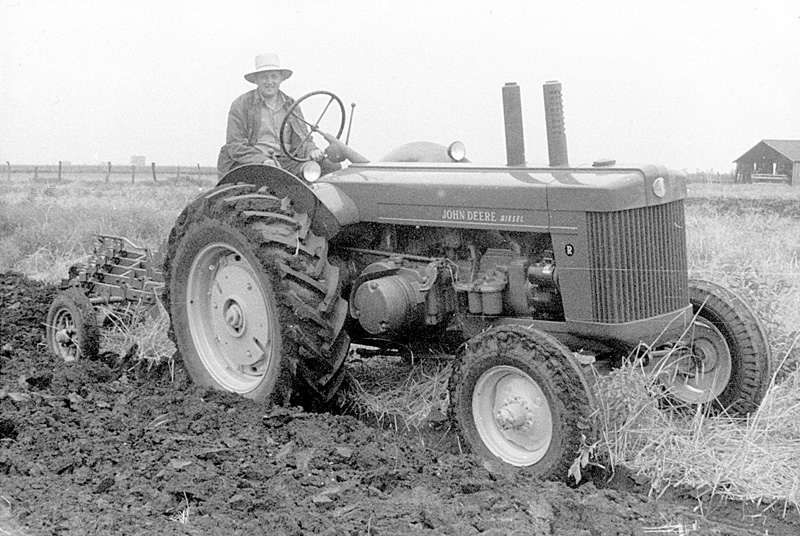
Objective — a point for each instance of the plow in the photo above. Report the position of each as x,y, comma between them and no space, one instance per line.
119,278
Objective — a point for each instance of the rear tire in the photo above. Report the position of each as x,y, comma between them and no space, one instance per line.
72,332
517,397
253,301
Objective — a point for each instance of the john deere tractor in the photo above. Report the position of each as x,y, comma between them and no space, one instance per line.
525,274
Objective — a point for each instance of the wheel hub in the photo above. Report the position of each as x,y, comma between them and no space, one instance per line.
233,286
230,317
65,336
512,415
234,317
705,354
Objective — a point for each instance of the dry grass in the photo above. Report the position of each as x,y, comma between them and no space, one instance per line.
398,392
139,335
754,459
744,191
182,517
757,255
44,229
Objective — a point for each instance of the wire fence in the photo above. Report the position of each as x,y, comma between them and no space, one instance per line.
106,172
708,177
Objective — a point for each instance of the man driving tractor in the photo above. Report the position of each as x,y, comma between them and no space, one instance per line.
254,122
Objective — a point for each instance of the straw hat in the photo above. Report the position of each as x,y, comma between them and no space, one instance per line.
267,62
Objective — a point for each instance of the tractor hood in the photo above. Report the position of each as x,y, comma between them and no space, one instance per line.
466,195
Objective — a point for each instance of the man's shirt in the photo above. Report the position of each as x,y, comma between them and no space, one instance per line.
268,137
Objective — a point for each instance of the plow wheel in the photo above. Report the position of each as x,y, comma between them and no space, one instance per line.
253,301
728,360
72,331
517,397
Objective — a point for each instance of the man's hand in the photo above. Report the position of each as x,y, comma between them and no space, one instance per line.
317,155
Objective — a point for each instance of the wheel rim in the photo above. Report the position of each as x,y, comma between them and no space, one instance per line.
700,373
229,317
512,416
65,335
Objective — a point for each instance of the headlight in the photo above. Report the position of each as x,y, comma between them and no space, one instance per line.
660,187
311,171
456,151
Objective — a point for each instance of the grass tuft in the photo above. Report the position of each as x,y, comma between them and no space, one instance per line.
754,459
398,392
139,335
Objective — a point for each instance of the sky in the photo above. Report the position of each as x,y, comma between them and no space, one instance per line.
687,84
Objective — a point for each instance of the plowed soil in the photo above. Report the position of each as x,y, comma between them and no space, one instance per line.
108,447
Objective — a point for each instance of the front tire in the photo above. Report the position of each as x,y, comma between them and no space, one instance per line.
746,340
517,397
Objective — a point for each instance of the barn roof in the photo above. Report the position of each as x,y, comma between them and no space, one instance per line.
788,148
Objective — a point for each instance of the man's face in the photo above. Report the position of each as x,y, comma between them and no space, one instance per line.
269,82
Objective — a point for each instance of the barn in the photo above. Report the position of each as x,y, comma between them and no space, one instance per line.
770,161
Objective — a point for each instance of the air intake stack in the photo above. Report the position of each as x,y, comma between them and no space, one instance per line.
554,119
512,114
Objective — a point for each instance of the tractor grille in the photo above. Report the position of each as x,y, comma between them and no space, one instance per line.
638,262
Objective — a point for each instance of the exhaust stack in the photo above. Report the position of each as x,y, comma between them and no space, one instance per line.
554,119
512,114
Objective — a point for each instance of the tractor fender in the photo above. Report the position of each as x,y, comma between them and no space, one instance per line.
328,207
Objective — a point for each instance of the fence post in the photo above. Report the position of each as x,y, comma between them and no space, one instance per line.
9,170
133,173
59,170
36,173
108,172
178,173
153,167
198,172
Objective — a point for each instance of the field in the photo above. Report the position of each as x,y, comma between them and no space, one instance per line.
746,237
45,226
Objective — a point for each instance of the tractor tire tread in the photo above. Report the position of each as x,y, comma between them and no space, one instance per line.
281,239
75,297
747,340
567,379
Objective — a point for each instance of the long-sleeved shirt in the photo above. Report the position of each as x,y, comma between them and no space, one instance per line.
246,142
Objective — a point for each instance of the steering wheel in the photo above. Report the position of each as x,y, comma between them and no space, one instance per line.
312,127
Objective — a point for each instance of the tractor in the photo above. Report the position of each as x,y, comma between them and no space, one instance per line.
525,274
